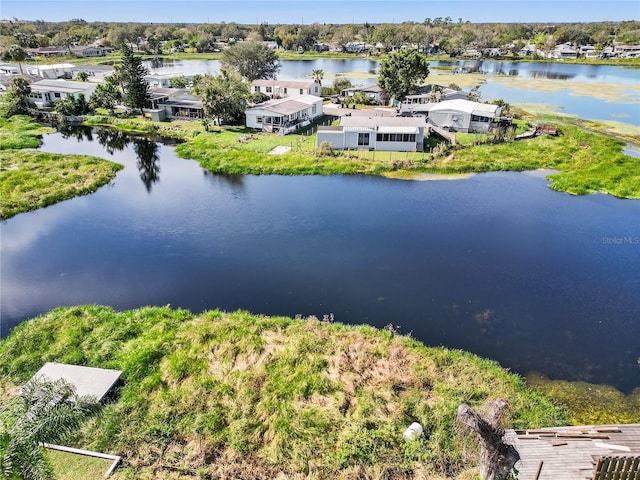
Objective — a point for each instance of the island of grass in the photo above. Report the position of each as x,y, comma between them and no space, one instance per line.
233,394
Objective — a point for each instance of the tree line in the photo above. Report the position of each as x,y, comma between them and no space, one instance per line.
443,35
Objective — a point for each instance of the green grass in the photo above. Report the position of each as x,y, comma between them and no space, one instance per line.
69,466
21,131
234,394
586,163
32,179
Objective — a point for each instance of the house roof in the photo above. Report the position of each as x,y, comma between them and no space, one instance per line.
287,106
376,122
283,83
87,380
465,106
63,86
364,88
570,452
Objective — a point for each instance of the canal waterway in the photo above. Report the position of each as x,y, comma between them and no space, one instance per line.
497,264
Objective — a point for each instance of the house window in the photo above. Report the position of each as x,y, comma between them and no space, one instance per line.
269,89
478,118
379,137
363,139
301,91
256,88
285,89
258,119
56,95
314,109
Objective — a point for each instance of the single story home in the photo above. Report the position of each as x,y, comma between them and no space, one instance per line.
175,103
397,134
54,70
90,51
374,92
95,73
47,51
286,88
44,93
163,80
284,115
461,115
434,94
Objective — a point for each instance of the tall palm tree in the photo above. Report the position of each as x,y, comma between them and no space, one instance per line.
45,411
317,75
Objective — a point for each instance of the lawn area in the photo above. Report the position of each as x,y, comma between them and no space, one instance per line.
31,179
70,466
20,131
236,395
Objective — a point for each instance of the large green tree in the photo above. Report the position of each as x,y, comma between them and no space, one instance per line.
106,95
224,97
251,60
132,73
401,73
45,411
16,100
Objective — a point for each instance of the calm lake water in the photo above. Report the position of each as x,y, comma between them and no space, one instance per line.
497,264
565,101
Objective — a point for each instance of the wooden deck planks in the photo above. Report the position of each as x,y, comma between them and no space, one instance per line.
571,453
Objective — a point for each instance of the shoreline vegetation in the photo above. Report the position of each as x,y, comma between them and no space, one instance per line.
230,393
586,162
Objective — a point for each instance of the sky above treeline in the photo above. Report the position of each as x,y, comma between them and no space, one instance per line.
321,11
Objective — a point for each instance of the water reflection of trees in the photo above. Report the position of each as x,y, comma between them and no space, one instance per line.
236,182
148,158
80,133
112,140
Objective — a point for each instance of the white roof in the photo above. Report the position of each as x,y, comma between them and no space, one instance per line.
465,106
287,105
87,380
375,122
62,86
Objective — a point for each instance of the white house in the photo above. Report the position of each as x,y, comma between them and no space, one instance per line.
175,103
90,50
55,70
286,88
45,92
415,103
163,80
398,134
462,115
284,115
373,92
95,73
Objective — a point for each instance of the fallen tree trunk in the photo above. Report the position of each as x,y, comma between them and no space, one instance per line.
497,458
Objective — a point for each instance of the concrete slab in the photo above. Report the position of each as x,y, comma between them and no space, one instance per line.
87,380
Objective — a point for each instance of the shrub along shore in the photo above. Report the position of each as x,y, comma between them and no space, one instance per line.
215,394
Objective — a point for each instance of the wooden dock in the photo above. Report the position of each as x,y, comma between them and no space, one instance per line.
447,135
572,453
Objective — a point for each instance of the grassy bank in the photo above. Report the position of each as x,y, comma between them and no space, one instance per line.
21,131
586,163
217,394
31,179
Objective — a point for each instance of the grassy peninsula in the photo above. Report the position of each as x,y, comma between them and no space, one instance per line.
215,394
31,179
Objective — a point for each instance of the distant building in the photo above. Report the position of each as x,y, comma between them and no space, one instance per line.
286,88
462,115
